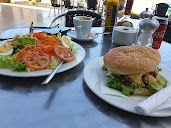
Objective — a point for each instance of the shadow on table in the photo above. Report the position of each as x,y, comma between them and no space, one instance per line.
87,44
130,119
33,84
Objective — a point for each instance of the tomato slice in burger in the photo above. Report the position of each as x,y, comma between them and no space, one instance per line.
64,53
37,61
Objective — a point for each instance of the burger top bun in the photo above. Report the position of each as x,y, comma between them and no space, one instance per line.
131,60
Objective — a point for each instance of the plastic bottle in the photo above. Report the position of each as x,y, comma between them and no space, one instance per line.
111,14
126,20
128,7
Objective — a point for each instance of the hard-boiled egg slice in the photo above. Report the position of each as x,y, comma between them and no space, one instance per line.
66,41
6,49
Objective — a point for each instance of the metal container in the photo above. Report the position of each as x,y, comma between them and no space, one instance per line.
123,35
145,14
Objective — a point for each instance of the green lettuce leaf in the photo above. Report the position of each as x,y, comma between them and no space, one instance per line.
9,62
22,41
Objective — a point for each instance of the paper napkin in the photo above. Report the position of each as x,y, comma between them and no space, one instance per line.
158,101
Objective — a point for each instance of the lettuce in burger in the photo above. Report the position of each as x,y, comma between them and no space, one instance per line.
133,70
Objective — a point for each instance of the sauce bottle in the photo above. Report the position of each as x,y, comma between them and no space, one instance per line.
128,7
111,14
126,17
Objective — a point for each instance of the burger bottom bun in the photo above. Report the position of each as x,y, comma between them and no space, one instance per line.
143,92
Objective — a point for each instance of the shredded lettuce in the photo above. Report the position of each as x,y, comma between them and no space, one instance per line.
54,62
59,35
114,82
104,68
9,62
159,69
22,41
73,49
161,83
126,90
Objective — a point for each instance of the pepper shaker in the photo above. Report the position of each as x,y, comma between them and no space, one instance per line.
147,26
145,14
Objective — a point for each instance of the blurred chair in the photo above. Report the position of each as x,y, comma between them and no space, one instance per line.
81,4
92,5
0,8
100,6
55,4
71,4
70,14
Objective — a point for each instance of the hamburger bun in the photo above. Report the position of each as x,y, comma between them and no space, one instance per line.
142,92
131,60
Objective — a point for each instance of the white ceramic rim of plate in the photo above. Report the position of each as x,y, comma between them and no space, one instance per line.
79,58
14,31
125,104
69,33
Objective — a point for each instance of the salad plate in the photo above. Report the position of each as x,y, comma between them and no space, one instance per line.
80,55
10,33
93,77
93,35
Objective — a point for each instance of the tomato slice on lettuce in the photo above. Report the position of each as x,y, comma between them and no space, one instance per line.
64,54
36,61
27,49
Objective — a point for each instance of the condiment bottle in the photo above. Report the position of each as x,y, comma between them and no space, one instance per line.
127,14
128,7
148,26
111,14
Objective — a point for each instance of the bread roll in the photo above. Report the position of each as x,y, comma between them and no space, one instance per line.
131,60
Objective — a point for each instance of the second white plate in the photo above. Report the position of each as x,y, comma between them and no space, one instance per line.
92,78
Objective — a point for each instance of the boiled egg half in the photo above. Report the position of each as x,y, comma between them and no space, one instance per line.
66,41
6,50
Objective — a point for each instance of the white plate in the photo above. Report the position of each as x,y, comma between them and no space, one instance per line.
91,72
66,66
72,34
10,33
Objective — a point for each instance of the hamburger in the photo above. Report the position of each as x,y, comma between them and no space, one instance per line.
133,70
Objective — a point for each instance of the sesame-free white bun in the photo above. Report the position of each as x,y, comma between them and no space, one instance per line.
131,60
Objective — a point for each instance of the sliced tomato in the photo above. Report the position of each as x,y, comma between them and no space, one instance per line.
64,53
36,61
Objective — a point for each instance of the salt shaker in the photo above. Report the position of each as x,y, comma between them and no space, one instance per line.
148,26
